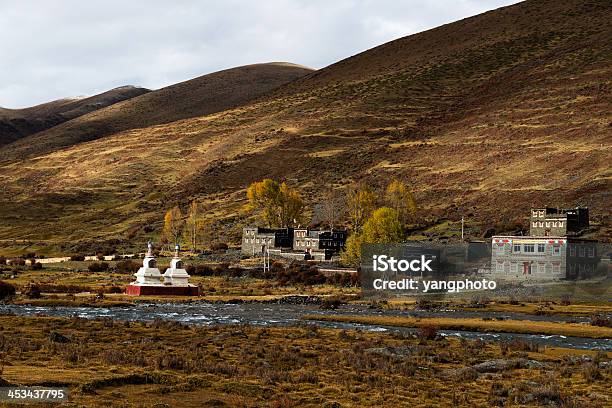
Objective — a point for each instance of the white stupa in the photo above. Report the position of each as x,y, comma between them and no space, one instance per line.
176,275
148,274
149,279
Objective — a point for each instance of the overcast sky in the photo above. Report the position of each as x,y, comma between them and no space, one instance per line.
50,49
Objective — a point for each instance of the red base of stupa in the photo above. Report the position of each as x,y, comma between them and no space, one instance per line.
162,290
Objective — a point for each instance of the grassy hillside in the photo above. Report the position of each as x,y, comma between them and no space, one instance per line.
482,117
196,97
18,123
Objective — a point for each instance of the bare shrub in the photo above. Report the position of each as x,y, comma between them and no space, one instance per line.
591,372
127,266
428,332
6,290
519,345
98,267
602,321
32,291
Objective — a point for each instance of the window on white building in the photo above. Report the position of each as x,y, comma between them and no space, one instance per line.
541,247
516,248
528,248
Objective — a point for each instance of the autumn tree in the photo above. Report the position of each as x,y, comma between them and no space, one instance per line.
330,210
193,225
173,225
382,227
281,205
399,197
361,203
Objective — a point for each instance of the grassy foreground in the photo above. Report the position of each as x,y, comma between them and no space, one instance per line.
161,364
472,324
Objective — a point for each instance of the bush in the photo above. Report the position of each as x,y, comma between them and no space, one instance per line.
519,345
591,373
37,266
299,273
32,291
127,266
601,321
77,257
2,260
6,290
18,261
219,246
98,267
115,289
428,332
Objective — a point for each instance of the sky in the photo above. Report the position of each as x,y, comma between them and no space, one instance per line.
51,49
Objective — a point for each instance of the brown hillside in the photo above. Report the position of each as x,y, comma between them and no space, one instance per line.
196,97
18,123
483,117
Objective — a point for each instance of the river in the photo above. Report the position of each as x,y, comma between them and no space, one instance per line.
268,314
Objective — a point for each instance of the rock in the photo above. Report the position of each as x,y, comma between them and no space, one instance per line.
395,352
493,366
492,376
299,300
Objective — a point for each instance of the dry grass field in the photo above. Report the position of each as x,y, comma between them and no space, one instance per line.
156,364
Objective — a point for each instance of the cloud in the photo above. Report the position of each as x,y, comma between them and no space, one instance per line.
67,48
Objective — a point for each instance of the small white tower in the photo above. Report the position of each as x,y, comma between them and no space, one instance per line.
176,275
148,274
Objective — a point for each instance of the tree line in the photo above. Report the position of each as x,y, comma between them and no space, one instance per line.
371,216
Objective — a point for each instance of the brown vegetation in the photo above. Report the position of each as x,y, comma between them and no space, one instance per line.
109,363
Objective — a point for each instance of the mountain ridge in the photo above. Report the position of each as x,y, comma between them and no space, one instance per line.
198,96
18,123
483,129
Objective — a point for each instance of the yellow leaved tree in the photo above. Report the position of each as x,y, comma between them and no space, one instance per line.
399,197
382,227
280,205
173,225
361,203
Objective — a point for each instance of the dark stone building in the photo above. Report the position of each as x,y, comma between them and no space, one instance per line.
255,240
300,243
319,243
557,222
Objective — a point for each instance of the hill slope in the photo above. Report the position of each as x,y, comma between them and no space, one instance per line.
18,123
196,97
483,117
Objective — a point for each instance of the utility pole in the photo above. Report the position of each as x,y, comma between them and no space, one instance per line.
266,259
